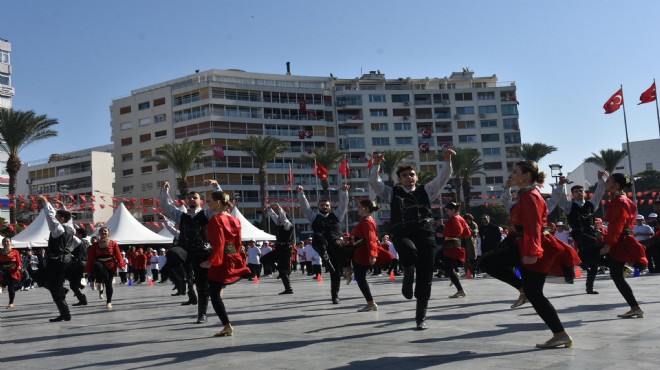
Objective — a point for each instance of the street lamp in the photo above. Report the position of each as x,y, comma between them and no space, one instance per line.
555,172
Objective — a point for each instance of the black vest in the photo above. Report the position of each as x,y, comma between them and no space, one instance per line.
192,229
284,236
61,246
329,226
582,218
410,207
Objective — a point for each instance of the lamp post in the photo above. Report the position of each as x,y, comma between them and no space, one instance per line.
555,172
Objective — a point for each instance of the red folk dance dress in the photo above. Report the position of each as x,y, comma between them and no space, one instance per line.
228,265
529,216
11,264
368,247
110,257
621,215
455,228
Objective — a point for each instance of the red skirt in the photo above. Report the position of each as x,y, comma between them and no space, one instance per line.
629,250
557,256
456,253
232,269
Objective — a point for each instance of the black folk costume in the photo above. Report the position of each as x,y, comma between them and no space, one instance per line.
280,258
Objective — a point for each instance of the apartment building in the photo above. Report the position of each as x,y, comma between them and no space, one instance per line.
357,116
82,179
6,95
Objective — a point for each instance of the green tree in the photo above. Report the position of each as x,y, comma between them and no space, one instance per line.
180,157
263,149
392,159
466,164
608,159
19,129
535,152
327,158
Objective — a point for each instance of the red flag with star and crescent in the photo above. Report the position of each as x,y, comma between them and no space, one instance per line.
614,102
292,179
648,96
344,170
321,172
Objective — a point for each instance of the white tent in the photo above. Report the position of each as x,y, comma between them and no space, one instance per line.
249,231
125,229
35,235
166,233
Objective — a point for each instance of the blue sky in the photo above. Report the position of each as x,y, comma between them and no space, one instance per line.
71,58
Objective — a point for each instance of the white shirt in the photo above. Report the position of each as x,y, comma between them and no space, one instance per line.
391,249
308,252
642,229
563,236
162,259
125,268
265,250
154,262
254,255
315,257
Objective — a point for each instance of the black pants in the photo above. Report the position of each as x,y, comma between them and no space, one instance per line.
216,301
533,287
55,275
154,274
416,247
589,252
616,273
10,283
123,275
140,276
75,275
174,268
330,250
360,272
201,280
449,267
394,266
280,259
104,275
256,270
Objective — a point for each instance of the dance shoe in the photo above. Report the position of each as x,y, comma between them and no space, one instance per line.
369,307
61,318
557,341
189,302
522,299
335,300
459,294
201,319
422,325
226,332
108,306
633,313
591,291
288,291
10,306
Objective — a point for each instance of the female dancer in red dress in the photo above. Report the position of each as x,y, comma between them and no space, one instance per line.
367,251
226,263
103,259
456,228
11,265
620,245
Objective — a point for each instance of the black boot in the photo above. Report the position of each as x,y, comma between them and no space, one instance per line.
408,280
82,301
202,305
420,314
65,315
192,298
201,319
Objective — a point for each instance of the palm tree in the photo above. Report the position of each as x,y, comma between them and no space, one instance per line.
263,149
19,129
608,159
180,157
466,164
392,159
535,152
327,158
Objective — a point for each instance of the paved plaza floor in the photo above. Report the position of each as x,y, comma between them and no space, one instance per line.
150,329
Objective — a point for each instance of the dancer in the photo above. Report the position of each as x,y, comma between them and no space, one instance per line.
11,266
77,270
192,238
103,259
453,254
176,267
413,233
581,218
533,252
226,265
327,234
621,246
282,253
367,251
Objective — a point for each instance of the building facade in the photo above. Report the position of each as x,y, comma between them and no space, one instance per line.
6,96
355,116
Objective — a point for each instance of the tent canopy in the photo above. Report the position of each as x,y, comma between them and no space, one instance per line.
249,231
35,235
125,229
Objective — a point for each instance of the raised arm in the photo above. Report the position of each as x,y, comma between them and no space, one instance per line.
340,212
600,189
304,204
434,188
384,191
168,205
55,227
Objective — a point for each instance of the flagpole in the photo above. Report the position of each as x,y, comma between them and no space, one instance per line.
625,123
293,209
317,179
657,112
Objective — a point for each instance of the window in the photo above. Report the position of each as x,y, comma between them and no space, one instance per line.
467,138
379,127
380,141
486,96
490,137
494,180
378,112
126,126
145,153
403,140
146,169
126,141
400,98
185,99
159,118
492,152
492,165
4,57
353,143
465,124
159,184
124,110
377,98
463,96
160,134
127,157
128,172
147,186
402,126
441,99
4,79
143,106
512,138
161,167
127,189
487,109
144,121
464,110
159,101
489,123
401,112
422,99
509,109
145,137
511,124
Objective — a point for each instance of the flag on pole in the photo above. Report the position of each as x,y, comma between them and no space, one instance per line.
321,172
614,102
648,96
344,170
218,151
291,178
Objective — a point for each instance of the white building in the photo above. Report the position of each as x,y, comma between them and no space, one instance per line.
6,95
81,179
356,116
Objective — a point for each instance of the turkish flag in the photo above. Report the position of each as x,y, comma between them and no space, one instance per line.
321,172
648,95
344,170
303,106
614,103
424,147
301,135
426,132
309,134
218,151
291,178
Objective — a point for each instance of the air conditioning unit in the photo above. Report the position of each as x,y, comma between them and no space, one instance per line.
481,115
406,103
457,116
405,118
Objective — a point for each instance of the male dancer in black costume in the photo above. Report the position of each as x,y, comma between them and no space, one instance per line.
327,234
283,246
581,217
193,238
413,232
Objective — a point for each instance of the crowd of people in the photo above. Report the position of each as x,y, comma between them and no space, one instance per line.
209,254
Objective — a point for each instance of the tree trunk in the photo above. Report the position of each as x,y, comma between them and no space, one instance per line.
263,194
183,188
13,166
